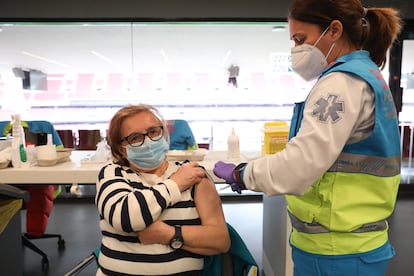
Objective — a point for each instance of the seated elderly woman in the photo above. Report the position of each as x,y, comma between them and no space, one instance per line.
156,217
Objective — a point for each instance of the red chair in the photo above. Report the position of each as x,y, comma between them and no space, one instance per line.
40,202
406,134
203,145
89,138
67,137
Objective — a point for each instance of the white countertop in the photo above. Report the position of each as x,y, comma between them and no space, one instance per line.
77,172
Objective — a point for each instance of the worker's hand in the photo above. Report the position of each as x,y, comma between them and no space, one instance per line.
225,171
238,187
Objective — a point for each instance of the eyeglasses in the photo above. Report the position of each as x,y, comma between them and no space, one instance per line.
137,139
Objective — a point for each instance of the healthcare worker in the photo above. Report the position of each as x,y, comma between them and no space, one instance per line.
340,170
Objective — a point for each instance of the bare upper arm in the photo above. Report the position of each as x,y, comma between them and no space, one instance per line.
208,203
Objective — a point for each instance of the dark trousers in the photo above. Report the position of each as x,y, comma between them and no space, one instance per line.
233,80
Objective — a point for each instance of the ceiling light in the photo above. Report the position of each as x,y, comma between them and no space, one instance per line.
165,57
278,28
44,59
226,57
104,58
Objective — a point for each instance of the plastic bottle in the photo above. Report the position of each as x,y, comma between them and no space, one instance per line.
233,146
18,142
100,154
31,155
49,139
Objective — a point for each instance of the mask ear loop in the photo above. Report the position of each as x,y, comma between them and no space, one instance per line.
332,46
323,33
330,50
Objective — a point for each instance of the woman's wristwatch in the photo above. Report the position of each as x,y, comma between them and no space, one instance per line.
177,240
238,171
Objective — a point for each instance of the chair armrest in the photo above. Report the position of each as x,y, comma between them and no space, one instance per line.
8,191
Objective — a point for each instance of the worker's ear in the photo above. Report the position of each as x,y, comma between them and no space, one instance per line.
335,30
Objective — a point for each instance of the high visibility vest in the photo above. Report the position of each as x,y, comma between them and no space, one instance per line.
361,186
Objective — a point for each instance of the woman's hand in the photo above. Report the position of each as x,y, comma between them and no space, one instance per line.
157,232
187,175
209,238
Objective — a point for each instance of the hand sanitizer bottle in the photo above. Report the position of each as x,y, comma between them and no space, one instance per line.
233,146
18,143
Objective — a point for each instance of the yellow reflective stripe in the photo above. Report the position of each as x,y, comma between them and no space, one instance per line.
375,165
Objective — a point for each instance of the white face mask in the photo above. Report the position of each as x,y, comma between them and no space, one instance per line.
308,61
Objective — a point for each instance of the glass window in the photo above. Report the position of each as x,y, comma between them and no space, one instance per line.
407,81
91,70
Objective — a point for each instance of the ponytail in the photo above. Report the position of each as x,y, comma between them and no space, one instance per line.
381,27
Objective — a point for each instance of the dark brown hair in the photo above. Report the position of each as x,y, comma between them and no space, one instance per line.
114,131
371,29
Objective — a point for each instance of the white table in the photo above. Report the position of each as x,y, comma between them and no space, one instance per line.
75,171
69,172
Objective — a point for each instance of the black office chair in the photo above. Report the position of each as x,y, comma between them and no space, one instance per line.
36,220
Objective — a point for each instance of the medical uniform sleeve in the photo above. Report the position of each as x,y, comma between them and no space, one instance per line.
336,105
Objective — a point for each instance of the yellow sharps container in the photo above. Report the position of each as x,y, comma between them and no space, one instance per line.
275,137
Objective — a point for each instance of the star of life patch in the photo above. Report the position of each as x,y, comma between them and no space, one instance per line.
328,108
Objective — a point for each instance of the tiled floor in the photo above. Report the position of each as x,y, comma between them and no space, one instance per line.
76,219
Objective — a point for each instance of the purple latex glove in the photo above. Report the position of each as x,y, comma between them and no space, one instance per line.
238,187
225,171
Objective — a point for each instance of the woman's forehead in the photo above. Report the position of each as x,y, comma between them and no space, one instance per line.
142,120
